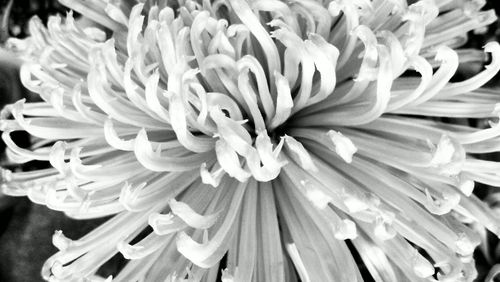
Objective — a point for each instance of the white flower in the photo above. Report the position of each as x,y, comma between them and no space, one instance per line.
262,131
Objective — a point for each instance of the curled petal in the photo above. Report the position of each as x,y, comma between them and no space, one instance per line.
207,254
148,158
188,215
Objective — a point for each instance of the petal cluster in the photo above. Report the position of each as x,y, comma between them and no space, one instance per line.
274,140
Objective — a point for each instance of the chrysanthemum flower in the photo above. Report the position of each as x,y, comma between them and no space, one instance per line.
270,139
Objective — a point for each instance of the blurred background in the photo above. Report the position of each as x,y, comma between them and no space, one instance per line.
26,229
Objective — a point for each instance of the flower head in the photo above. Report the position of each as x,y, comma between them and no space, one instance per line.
281,136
